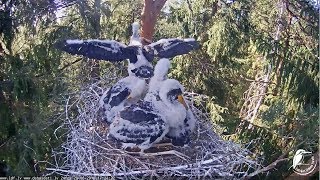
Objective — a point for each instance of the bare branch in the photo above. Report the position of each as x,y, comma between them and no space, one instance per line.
70,64
274,164
267,168
88,151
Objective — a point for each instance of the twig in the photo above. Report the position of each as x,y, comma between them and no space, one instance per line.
267,168
87,152
273,165
70,64
188,166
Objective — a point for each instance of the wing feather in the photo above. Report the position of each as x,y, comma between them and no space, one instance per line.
119,97
109,50
168,48
117,94
138,124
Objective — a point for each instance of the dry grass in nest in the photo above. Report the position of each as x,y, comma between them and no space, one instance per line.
88,152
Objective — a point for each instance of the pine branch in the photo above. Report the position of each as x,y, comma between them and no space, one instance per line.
266,129
70,64
273,164
258,81
64,67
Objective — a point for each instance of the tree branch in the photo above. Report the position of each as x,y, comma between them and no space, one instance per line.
70,64
64,67
273,164
267,168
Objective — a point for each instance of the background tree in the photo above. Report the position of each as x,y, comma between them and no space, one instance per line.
243,42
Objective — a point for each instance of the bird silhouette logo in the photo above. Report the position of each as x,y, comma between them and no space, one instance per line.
303,162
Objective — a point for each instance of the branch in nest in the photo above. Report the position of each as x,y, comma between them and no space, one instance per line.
87,151
188,166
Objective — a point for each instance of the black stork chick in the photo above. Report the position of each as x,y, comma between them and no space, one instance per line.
179,129
147,122
125,92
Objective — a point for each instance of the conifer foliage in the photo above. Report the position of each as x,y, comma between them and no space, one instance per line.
258,64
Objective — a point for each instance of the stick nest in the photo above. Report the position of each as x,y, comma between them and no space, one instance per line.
87,151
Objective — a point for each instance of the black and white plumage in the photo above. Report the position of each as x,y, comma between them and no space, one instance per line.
139,60
141,124
138,125
113,51
180,119
148,121
125,92
130,89
139,56
144,124
168,48
179,131
96,49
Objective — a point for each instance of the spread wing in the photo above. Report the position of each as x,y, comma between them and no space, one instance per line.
109,50
168,48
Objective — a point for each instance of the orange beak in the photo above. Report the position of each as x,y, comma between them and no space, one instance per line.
181,100
129,97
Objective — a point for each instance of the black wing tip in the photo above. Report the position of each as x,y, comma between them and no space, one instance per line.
92,49
193,43
60,44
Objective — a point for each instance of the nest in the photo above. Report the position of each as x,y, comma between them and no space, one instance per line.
88,152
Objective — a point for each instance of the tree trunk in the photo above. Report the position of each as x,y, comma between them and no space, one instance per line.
149,15
279,67
256,93
1,51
